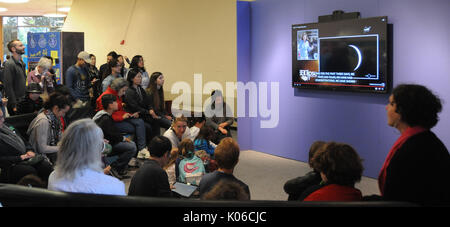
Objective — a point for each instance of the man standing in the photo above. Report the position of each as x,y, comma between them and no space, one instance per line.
77,78
103,68
14,76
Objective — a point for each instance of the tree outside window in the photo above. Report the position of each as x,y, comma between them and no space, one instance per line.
18,28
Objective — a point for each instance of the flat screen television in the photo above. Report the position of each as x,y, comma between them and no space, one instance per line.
345,55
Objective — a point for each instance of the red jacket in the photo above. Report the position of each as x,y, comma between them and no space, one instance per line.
334,192
118,115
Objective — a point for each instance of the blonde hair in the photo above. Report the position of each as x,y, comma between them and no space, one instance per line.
177,119
80,147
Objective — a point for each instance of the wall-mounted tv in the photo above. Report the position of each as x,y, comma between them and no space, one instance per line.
344,55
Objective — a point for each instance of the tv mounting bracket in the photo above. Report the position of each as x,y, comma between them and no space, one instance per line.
339,15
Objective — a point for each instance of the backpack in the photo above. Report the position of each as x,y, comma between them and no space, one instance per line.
191,170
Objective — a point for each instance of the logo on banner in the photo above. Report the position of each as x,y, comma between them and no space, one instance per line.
32,42
42,42
52,42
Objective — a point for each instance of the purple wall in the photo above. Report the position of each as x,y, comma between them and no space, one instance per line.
420,55
243,65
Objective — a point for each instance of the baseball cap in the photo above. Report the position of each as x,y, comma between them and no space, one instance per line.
85,56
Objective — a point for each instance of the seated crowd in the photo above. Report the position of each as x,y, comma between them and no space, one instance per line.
88,133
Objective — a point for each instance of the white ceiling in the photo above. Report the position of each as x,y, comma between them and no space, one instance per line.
34,7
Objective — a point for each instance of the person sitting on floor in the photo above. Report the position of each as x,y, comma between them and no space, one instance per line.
170,168
46,129
204,148
219,116
203,141
295,187
340,168
151,180
227,157
32,102
79,166
191,168
199,123
227,190
178,132
121,145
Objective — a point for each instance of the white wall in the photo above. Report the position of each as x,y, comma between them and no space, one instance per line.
176,37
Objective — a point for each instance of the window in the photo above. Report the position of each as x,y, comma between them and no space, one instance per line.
18,27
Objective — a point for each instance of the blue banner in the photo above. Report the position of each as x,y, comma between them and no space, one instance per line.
45,44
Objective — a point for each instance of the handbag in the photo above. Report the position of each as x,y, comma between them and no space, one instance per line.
34,160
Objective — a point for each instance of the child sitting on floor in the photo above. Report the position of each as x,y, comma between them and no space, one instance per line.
191,168
203,141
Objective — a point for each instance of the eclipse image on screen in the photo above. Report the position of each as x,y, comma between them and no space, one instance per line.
356,55
343,55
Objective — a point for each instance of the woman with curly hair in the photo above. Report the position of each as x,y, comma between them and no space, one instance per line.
340,167
417,167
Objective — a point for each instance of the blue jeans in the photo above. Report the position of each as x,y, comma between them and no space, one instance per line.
125,151
134,126
164,122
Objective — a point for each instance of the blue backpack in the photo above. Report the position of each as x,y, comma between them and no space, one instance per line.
191,170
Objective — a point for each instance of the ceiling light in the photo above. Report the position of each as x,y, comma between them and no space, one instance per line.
14,1
56,14
3,9
64,9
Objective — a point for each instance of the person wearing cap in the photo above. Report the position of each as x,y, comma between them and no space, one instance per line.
32,102
77,78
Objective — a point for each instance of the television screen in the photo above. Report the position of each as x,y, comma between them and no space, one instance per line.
348,55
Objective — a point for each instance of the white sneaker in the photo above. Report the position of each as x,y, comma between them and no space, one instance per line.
143,154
